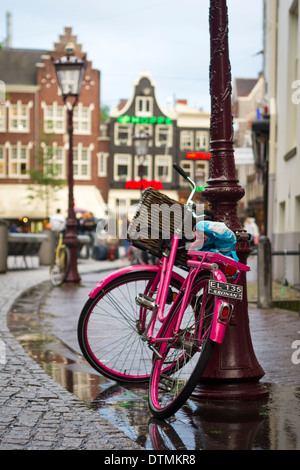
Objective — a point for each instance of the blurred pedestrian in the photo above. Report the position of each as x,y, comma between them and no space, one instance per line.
58,222
88,227
252,228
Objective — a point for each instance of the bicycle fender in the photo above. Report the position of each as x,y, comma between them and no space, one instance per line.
128,269
218,328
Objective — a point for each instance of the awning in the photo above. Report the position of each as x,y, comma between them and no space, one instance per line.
14,201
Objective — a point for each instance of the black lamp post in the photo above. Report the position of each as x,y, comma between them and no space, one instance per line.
70,72
141,143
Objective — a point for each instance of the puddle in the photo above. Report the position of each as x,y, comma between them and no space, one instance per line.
270,425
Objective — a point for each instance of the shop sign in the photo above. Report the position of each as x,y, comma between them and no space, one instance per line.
144,120
143,184
198,156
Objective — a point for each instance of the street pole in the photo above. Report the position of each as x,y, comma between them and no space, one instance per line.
233,371
70,72
71,239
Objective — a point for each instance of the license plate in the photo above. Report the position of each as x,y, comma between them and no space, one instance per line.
224,289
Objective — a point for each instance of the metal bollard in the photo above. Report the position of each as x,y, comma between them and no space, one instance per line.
264,273
47,250
3,246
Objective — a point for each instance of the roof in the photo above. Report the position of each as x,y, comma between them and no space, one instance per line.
244,86
18,66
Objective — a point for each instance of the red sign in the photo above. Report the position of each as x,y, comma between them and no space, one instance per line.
143,184
198,156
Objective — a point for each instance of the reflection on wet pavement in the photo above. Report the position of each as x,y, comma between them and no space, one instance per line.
273,424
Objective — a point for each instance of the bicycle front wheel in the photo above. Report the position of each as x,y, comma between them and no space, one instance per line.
185,355
111,327
59,269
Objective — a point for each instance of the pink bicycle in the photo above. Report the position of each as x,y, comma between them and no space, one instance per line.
154,324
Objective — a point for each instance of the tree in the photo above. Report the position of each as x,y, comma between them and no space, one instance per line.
46,177
104,113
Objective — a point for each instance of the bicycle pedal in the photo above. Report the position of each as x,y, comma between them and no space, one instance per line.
143,300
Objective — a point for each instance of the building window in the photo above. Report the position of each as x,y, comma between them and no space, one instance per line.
145,129
19,117
188,168
102,163
163,136
144,106
163,168
122,167
55,161
83,119
202,141
142,167
123,134
82,162
54,118
18,161
2,118
2,162
201,171
186,140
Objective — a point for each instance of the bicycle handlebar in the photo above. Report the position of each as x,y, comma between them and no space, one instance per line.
189,202
181,171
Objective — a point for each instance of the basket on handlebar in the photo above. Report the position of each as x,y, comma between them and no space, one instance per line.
153,225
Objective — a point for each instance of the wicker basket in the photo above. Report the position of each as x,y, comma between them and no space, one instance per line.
154,223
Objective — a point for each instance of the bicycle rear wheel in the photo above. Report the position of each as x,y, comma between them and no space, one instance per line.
111,326
59,269
185,355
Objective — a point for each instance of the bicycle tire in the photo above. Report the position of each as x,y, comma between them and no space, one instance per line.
109,333
187,357
60,268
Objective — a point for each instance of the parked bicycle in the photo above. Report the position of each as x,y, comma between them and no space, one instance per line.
61,263
153,324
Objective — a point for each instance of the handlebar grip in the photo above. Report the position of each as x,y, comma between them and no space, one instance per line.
180,171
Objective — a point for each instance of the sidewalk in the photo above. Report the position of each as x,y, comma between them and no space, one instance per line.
35,412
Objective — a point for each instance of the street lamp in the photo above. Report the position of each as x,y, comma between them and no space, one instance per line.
70,72
141,143
233,371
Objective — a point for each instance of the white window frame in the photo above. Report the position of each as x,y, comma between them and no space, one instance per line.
145,129
58,160
22,121
147,163
122,128
22,157
187,140
2,118
124,159
201,166
188,167
165,131
202,141
51,115
79,163
163,160
83,124
144,106
3,161
102,163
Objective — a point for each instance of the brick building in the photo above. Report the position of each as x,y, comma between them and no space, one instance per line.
33,120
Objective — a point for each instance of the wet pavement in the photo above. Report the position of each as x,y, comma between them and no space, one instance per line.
44,320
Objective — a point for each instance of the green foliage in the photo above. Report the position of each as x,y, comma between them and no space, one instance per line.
104,113
45,175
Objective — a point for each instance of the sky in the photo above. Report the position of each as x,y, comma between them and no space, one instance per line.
168,38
